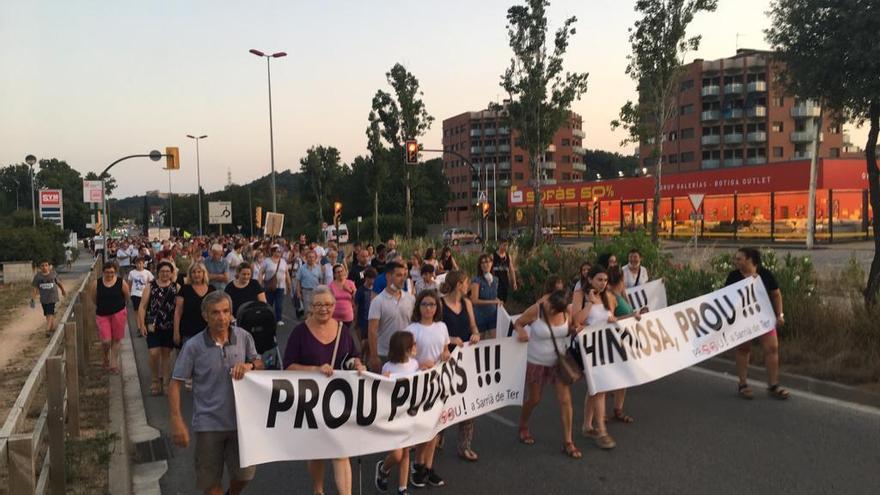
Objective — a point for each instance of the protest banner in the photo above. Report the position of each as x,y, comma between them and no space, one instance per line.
296,415
274,223
632,352
651,294
504,322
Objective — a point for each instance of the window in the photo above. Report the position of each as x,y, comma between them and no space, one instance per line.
835,152
779,101
566,142
566,159
834,129
566,176
686,109
672,159
518,158
672,136
686,85
687,133
687,157
777,127
777,151
517,176
648,162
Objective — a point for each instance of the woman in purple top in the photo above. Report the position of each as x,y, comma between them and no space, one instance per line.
311,347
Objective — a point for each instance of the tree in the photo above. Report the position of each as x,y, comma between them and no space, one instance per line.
540,94
321,170
403,117
609,164
15,183
659,43
376,167
829,49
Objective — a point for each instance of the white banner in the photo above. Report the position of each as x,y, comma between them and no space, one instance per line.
294,415
633,352
504,322
651,294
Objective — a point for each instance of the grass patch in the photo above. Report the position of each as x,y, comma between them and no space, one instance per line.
83,455
12,297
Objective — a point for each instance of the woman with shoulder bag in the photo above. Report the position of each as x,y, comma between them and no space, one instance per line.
156,322
548,337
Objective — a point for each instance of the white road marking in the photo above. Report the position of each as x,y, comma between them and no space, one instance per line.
501,419
795,393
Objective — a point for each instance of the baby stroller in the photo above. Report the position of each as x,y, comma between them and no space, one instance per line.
258,318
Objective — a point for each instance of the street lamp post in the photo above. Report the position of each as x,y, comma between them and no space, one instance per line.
271,133
31,160
198,176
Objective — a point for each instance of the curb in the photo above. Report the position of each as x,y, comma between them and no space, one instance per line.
119,475
803,383
143,477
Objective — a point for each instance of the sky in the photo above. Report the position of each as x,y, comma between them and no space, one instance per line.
91,81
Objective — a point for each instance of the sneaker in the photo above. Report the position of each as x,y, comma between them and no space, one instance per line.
419,478
402,491
434,479
382,475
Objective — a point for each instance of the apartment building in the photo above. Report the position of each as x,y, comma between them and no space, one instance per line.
497,163
734,112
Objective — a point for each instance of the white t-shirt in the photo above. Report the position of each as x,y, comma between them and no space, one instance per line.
630,280
234,259
268,271
540,349
400,369
138,279
123,257
430,340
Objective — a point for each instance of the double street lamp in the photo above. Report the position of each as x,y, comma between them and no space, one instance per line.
198,177
31,160
271,134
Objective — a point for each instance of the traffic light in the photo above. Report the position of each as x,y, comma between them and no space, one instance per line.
172,158
412,152
486,208
259,217
337,213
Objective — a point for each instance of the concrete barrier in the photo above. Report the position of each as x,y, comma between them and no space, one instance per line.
17,271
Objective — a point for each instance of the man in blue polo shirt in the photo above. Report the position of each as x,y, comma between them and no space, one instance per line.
212,359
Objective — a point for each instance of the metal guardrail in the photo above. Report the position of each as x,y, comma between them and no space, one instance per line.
20,451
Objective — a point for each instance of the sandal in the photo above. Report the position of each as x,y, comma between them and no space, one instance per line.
569,449
623,418
605,442
470,455
589,432
778,392
744,391
525,437
156,388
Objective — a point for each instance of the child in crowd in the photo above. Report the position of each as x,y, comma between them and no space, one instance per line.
401,362
428,280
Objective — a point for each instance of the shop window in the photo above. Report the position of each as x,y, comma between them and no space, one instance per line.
777,127
777,151
687,133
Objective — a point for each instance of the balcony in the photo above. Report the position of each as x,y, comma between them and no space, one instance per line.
489,148
476,150
733,162
714,163
503,131
548,182
711,66
710,115
735,138
757,137
476,132
710,90
503,165
733,113
504,182
579,167
733,88
805,136
503,148
710,140
579,150
802,155
578,133
798,111
548,165
757,87
756,160
489,131
475,184
756,62
757,111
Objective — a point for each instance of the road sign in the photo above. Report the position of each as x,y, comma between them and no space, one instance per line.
482,198
93,192
51,206
696,200
220,212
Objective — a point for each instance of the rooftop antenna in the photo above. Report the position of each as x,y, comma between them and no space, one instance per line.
228,176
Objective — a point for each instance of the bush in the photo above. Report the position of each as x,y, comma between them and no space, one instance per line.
23,242
534,267
653,258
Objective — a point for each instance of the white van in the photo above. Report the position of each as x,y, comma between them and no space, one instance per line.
330,233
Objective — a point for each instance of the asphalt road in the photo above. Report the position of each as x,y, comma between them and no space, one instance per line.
691,435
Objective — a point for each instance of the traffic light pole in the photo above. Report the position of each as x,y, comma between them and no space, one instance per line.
475,169
156,156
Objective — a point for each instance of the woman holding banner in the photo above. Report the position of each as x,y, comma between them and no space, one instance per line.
458,315
549,333
748,263
597,307
623,309
321,344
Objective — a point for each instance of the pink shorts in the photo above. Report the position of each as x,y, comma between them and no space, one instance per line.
112,327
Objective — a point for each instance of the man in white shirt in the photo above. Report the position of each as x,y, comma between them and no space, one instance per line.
634,274
234,258
390,311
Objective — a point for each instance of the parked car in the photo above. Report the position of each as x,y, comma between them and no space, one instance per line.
457,235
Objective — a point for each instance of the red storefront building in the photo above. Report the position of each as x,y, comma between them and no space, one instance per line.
760,201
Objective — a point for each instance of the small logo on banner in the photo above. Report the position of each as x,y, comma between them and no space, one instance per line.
485,365
749,301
